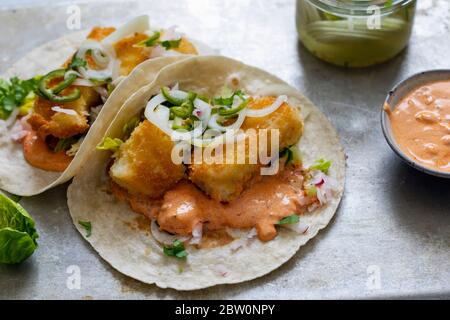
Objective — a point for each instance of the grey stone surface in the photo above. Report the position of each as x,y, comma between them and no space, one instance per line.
392,218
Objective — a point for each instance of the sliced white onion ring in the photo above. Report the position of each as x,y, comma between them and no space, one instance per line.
139,24
106,51
236,125
256,113
83,83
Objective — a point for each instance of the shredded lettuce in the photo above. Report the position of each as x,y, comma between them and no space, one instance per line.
112,144
130,126
293,218
176,250
321,165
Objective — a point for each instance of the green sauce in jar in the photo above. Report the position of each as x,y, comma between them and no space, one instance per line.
355,33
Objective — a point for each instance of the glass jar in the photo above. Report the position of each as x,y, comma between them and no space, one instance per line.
355,33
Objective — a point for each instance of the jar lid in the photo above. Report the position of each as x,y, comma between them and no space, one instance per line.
359,7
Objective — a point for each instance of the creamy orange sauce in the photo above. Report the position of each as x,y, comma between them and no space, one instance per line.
261,206
421,125
39,155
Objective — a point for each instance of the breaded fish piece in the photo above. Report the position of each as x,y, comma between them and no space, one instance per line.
224,182
144,165
46,121
130,56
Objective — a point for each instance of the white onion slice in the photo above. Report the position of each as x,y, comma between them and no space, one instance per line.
163,237
171,34
70,112
197,233
139,24
108,53
184,135
83,83
236,125
12,117
299,227
256,113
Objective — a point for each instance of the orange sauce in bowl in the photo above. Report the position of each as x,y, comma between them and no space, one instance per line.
421,125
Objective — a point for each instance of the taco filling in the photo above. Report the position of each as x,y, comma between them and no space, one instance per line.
212,202
55,111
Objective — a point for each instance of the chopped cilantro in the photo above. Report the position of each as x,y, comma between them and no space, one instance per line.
77,62
87,226
170,44
150,41
176,250
14,92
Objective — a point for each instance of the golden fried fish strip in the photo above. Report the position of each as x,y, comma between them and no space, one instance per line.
224,182
144,164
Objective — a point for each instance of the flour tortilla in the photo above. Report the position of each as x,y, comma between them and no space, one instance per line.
135,253
19,177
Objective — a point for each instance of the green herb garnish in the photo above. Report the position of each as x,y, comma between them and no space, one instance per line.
14,92
129,127
289,219
227,100
87,226
77,62
17,232
177,250
321,165
170,44
112,144
65,144
150,41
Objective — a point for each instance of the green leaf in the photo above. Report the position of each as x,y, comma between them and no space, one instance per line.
170,44
65,144
129,127
321,165
389,3
77,62
227,100
177,250
17,232
150,41
87,226
15,246
112,144
289,219
14,92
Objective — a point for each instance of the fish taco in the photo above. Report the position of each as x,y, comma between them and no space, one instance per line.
74,86
216,172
